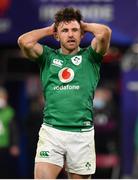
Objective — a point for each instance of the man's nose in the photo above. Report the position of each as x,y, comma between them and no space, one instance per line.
70,33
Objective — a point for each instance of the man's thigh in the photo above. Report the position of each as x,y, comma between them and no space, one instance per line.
81,158
78,176
49,158
44,170
49,147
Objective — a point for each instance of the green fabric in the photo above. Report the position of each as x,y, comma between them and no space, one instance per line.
6,115
69,104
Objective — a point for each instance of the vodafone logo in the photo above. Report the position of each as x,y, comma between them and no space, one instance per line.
66,75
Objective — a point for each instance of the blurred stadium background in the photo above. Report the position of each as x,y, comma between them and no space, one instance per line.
116,125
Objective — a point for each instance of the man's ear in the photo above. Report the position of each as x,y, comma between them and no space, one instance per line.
82,34
56,36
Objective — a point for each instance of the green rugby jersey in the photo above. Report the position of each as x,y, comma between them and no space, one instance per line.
68,83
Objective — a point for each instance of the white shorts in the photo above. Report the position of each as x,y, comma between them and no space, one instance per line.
76,148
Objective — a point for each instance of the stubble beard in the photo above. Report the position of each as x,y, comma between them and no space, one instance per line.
66,47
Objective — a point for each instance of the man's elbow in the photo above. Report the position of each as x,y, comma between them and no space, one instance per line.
23,43
107,32
108,29
106,36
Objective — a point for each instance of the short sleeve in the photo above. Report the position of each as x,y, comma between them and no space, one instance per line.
44,56
97,57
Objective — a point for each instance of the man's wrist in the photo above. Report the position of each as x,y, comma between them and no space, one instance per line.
49,30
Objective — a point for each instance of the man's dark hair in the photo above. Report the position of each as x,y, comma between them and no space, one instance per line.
67,14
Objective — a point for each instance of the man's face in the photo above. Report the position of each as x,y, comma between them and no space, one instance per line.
69,34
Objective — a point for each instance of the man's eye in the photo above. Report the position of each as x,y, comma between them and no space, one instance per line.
64,30
75,29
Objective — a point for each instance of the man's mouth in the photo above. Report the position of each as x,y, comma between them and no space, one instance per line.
71,41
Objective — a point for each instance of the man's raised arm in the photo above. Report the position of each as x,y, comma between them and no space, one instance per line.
102,33
29,44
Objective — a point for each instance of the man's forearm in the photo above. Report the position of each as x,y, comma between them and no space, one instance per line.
96,29
32,37
102,35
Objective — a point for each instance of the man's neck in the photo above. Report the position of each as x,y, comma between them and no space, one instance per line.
67,52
